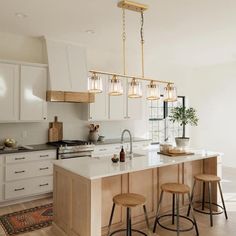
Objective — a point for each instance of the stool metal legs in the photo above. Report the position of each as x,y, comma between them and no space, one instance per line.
223,202
177,213
211,213
110,221
203,196
173,209
191,209
210,203
128,222
176,201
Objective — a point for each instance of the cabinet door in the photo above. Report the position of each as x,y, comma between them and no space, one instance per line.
117,106
9,92
99,109
33,93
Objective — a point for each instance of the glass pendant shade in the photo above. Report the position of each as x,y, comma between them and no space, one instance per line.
95,84
115,86
153,91
170,93
135,89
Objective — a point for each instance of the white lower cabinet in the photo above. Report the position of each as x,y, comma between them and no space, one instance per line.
28,170
28,187
26,174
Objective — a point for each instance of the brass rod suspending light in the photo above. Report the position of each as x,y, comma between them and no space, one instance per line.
115,86
135,87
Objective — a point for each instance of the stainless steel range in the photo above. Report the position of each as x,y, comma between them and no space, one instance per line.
73,149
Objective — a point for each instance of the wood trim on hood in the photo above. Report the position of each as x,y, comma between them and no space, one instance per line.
73,97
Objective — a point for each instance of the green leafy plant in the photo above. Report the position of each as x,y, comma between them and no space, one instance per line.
184,116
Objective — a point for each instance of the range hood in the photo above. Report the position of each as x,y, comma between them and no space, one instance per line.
67,64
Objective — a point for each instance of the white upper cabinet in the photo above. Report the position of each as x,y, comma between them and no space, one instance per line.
33,86
99,109
67,66
9,92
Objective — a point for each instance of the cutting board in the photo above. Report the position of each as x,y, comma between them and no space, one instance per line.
55,132
176,154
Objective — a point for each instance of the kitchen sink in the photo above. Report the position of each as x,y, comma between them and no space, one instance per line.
137,155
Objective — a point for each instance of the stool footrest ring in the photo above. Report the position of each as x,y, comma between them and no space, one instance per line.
133,230
175,230
208,212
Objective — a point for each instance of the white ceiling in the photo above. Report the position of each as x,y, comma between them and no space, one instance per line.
183,32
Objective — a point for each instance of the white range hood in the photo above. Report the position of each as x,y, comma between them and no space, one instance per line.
67,72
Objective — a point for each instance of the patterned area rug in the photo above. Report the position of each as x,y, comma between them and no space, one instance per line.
27,220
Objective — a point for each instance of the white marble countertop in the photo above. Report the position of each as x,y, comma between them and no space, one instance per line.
99,167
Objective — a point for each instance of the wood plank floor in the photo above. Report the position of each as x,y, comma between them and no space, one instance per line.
221,226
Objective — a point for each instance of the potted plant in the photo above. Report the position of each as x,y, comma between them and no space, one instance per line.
183,116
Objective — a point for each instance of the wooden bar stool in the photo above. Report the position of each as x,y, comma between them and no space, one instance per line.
175,189
128,200
209,179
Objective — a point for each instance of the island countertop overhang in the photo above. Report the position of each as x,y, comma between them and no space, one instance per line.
100,167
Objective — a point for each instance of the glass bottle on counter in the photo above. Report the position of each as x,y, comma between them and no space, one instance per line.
122,155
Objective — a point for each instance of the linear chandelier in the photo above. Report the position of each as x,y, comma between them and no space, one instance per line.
95,84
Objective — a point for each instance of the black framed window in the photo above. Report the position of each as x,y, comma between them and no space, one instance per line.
161,129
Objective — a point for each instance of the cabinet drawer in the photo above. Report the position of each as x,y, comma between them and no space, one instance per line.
28,187
30,156
28,170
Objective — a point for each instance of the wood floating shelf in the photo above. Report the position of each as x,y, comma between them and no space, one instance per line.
76,97
132,6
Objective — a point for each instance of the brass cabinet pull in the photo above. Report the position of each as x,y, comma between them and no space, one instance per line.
19,158
21,171
19,189
44,155
45,168
41,185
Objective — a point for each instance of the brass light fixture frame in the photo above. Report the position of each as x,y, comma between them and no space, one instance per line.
132,6
137,7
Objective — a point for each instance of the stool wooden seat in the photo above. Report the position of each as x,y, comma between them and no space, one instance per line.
175,188
207,178
129,200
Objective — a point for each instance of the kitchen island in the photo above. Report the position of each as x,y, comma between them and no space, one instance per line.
84,188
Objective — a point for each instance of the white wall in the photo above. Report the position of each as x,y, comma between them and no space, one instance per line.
211,90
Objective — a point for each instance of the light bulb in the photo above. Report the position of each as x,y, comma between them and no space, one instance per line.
170,93
94,84
135,89
115,86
